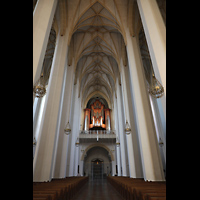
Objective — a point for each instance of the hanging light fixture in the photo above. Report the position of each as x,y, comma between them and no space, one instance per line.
39,88
155,88
67,129
127,128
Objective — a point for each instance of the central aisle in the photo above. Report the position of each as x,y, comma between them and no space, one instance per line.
98,189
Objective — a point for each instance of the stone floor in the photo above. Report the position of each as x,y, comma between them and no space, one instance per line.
99,189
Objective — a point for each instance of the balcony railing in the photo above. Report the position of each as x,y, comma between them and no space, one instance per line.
97,132
96,135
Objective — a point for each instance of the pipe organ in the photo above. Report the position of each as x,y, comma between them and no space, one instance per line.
97,117
86,119
107,119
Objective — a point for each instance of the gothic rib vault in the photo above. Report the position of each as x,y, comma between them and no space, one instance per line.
97,45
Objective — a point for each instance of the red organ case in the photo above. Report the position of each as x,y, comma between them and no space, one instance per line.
97,115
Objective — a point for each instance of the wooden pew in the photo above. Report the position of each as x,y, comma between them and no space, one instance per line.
138,189
54,193
39,198
46,196
58,189
157,195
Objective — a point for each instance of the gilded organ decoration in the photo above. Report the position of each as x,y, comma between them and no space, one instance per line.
98,116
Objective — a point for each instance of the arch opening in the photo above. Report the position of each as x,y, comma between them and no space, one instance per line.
97,163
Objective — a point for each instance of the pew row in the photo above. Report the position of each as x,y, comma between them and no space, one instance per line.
58,189
138,189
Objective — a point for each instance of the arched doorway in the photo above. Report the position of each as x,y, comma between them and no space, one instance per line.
97,163
97,168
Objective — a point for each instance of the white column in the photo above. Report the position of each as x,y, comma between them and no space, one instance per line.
76,163
118,162
121,131
81,167
62,141
130,150
75,122
36,124
134,129
113,168
118,155
42,22
43,161
151,160
36,108
158,126
155,32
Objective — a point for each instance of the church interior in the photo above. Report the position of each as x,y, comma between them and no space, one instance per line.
99,99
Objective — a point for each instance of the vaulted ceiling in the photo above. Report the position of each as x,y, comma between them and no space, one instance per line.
97,46
97,43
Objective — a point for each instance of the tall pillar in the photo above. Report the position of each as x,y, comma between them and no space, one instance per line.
36,109
81,168
113,167
75,122
134,130
118,162
64,117
118,154
151,160
130,150
159,130
76,163
44,154
155,32
121,126
37,122
42,22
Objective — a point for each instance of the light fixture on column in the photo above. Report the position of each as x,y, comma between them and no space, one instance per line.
117,142
127,128
34,142
77,142
67,129
39,88
160,142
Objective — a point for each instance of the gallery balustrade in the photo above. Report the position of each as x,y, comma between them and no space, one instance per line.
96,135
97,132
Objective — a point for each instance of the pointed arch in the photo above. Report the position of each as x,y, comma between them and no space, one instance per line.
92,95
